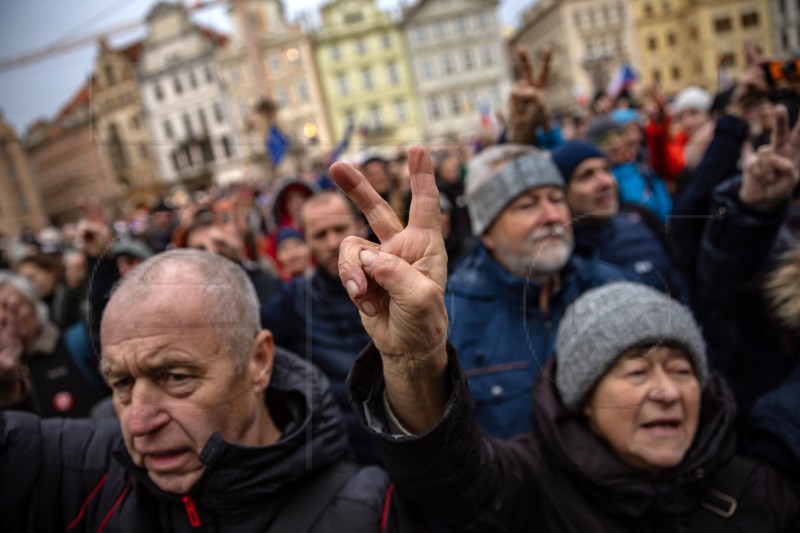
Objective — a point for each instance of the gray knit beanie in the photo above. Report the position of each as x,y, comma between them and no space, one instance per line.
489,193
607,321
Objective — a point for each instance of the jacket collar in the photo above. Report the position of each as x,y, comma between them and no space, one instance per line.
592,235
480,274
239,477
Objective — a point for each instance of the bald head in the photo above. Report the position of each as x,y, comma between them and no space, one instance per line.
210,289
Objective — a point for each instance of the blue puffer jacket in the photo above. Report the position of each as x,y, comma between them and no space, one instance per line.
626,241
638,184
502,337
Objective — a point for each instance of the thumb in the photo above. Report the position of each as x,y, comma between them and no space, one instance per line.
394,275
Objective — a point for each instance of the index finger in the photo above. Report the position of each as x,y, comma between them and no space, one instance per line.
380,215
544,71
794,141
525,65
425,204
752,52
780,128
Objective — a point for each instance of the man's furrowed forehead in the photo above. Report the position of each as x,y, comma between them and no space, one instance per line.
166,344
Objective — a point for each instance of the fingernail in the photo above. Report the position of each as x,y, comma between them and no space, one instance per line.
352,288
369,309
368,257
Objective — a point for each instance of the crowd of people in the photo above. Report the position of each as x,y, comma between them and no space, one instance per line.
590,323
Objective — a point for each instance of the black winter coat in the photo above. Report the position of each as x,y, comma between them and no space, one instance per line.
738,248
314,318
563,477
75,475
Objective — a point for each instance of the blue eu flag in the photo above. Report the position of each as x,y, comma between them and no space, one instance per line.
277,145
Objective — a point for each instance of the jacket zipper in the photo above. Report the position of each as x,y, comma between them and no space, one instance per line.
191,511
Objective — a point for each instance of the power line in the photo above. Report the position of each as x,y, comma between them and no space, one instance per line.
91,20
82,40
63,46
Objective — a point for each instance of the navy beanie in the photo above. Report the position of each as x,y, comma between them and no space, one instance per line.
569,155
287,232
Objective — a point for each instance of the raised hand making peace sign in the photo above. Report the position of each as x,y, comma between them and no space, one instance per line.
751,88
528,108
772,173
399,288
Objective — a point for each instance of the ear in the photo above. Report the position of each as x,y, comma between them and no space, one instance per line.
588,412
262,359
488,242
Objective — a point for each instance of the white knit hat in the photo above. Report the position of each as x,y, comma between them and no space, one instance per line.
691,98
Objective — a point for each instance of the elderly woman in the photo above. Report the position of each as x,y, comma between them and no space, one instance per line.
632,433
41,370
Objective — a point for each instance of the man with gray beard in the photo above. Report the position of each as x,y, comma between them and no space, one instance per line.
507,296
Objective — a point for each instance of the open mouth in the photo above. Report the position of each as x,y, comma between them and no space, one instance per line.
165,460
662,424
664,428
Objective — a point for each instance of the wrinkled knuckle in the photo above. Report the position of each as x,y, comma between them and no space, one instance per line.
349,245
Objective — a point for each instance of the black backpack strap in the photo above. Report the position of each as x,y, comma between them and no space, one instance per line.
720,501
308,503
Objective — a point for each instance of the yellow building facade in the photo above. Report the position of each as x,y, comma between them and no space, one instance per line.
365,75
698,42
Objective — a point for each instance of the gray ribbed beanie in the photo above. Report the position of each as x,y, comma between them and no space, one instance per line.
489,194
605,322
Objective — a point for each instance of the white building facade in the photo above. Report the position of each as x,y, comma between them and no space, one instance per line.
184,103
460,62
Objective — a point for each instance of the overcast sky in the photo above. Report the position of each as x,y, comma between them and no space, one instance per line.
40,89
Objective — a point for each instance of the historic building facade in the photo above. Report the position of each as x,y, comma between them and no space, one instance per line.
366,76
459,61
185,105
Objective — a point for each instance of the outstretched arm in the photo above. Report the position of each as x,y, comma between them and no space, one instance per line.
398,287
739,243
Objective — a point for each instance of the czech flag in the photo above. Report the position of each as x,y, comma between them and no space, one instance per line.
623,79
486,116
